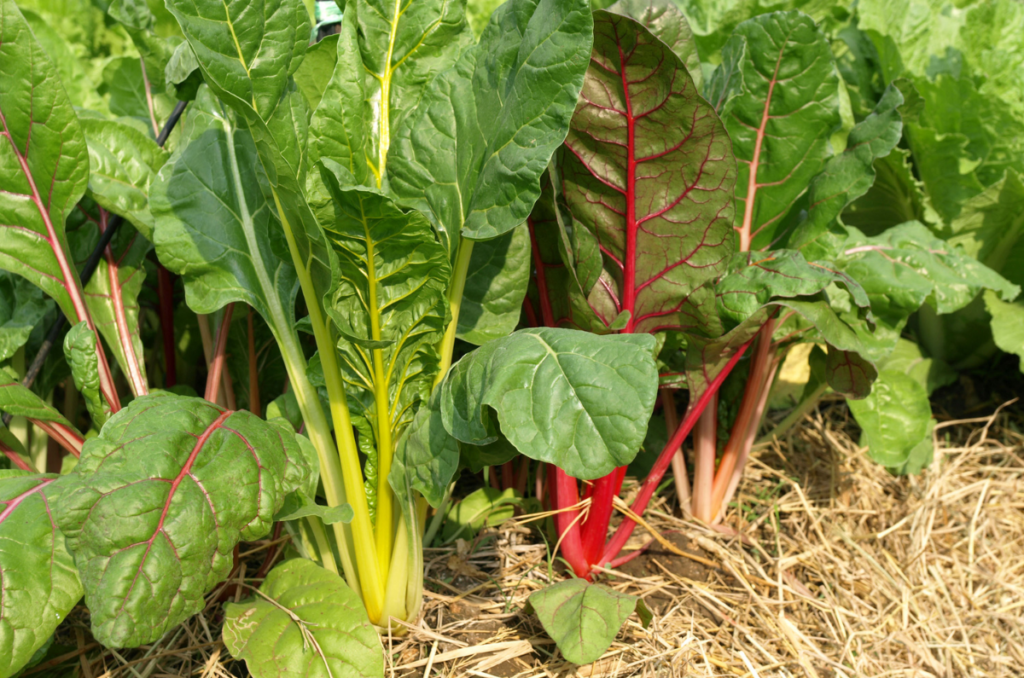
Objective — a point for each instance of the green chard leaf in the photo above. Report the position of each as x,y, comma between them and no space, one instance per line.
849,175
648,173
22,306
471,158
499,273
39,585
20,401
584,618
44,165
777,92
990,227
80,350
112,294
486,507
387,57
426,456
305,622
1007,324
574,399
123,163
158,501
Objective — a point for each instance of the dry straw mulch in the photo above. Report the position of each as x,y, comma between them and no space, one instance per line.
828,566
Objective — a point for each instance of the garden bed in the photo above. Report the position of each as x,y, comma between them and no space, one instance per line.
842,570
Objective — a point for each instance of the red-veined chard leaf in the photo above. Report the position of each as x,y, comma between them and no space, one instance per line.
38,581
574,399
472,154
583,618
44,168
664,20
304,622
777,92
158,501
648,170
388,54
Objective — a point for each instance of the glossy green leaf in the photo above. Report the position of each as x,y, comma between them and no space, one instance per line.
80,351
112,294
897,196
472,154
78,83
304,623
19,401
158,501
182,72
777,92
907,265
499,273
486,507
426,456
648,171
583,618
477,457
39,585
387,57
123,164
214,226
44,165
298,505
314,73
1007,324
664,20
22,306
574,399
896,422
850,174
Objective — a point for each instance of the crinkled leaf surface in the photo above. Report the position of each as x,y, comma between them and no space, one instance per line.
80,351
896,422
472,154
388,54
123,163
426,456
648,170
664,20
271,632
584,618
158,501
44,165
849,175
574,399
777,92
990,227
38,581
499,273
22,306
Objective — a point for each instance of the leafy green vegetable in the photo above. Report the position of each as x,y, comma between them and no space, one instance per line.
39,584
777,92
303,622
486,507
426,456
496,282
1007,324
471,159
158,501
22,306
80,350
574,399
583,618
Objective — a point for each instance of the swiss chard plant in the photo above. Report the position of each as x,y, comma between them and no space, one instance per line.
430,242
